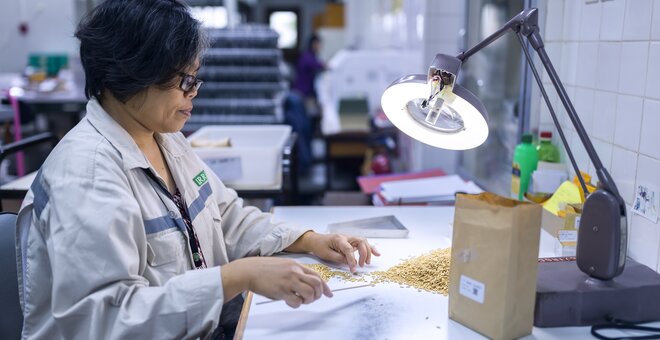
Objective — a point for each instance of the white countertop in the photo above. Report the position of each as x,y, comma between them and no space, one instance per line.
384,311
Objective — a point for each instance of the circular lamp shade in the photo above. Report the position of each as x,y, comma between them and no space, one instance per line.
397,97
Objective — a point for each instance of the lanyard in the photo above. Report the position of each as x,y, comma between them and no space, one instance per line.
196,249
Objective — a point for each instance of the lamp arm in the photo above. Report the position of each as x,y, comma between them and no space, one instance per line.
526,24
552,112
529,15
606,181
603,235
602,246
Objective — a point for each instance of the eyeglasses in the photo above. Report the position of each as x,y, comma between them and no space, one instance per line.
189,82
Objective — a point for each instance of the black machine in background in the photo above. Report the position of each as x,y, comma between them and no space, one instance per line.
244,78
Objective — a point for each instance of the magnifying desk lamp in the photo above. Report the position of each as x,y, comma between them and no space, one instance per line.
437,111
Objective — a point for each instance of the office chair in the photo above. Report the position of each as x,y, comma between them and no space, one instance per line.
11,322
11,148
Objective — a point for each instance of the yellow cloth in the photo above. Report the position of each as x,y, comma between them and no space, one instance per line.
568,192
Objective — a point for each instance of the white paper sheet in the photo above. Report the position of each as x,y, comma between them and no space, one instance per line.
647,202
427,189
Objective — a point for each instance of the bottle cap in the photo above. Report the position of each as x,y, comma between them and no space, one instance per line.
546,135
526,138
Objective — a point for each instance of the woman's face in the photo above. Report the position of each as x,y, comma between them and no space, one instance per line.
164,110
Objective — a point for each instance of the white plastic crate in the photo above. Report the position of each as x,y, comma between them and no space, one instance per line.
254,159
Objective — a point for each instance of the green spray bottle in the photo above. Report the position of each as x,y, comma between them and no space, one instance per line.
525,161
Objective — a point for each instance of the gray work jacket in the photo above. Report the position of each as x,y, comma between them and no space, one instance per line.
103,253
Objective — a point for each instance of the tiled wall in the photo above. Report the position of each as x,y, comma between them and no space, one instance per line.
607,54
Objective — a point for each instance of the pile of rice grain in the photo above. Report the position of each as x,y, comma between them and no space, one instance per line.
429,272
326,273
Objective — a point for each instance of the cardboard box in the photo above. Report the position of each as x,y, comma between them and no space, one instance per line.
564,229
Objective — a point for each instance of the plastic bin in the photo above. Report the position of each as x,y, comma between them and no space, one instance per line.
254,159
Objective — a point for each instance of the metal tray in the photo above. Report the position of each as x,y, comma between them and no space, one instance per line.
374,227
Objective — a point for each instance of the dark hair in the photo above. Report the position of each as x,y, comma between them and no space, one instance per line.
129,45
313,39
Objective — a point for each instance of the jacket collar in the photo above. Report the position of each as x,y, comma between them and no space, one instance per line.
131,154
169,144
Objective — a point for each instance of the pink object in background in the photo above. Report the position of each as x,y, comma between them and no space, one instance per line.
20,165
371,184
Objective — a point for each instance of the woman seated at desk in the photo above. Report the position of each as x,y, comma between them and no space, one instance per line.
125,232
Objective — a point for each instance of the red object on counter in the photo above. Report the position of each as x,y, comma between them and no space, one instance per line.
371,184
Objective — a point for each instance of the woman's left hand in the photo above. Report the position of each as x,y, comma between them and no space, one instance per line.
341,248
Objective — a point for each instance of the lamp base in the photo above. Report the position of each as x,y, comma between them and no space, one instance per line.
565,296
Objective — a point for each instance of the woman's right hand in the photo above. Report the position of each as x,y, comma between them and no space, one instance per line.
274,278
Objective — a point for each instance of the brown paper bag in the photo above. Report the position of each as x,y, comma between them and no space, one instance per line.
494,256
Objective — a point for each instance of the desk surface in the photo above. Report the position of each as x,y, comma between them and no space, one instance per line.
19,187
72,96
384,311
21,183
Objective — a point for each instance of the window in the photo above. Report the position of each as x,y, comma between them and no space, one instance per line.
210,16
496,76
285,23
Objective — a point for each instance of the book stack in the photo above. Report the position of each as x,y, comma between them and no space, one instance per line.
436,190
371,184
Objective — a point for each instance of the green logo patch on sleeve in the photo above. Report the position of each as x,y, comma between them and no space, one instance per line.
200,178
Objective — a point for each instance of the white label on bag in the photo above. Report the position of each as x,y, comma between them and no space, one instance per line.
472,289
567,235
227,168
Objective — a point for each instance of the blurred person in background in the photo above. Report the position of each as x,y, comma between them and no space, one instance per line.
301,108
308,67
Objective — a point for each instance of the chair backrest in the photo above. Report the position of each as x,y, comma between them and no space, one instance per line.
44,137
11,322
23,144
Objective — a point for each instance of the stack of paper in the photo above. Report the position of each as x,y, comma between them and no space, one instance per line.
371,184
441,189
